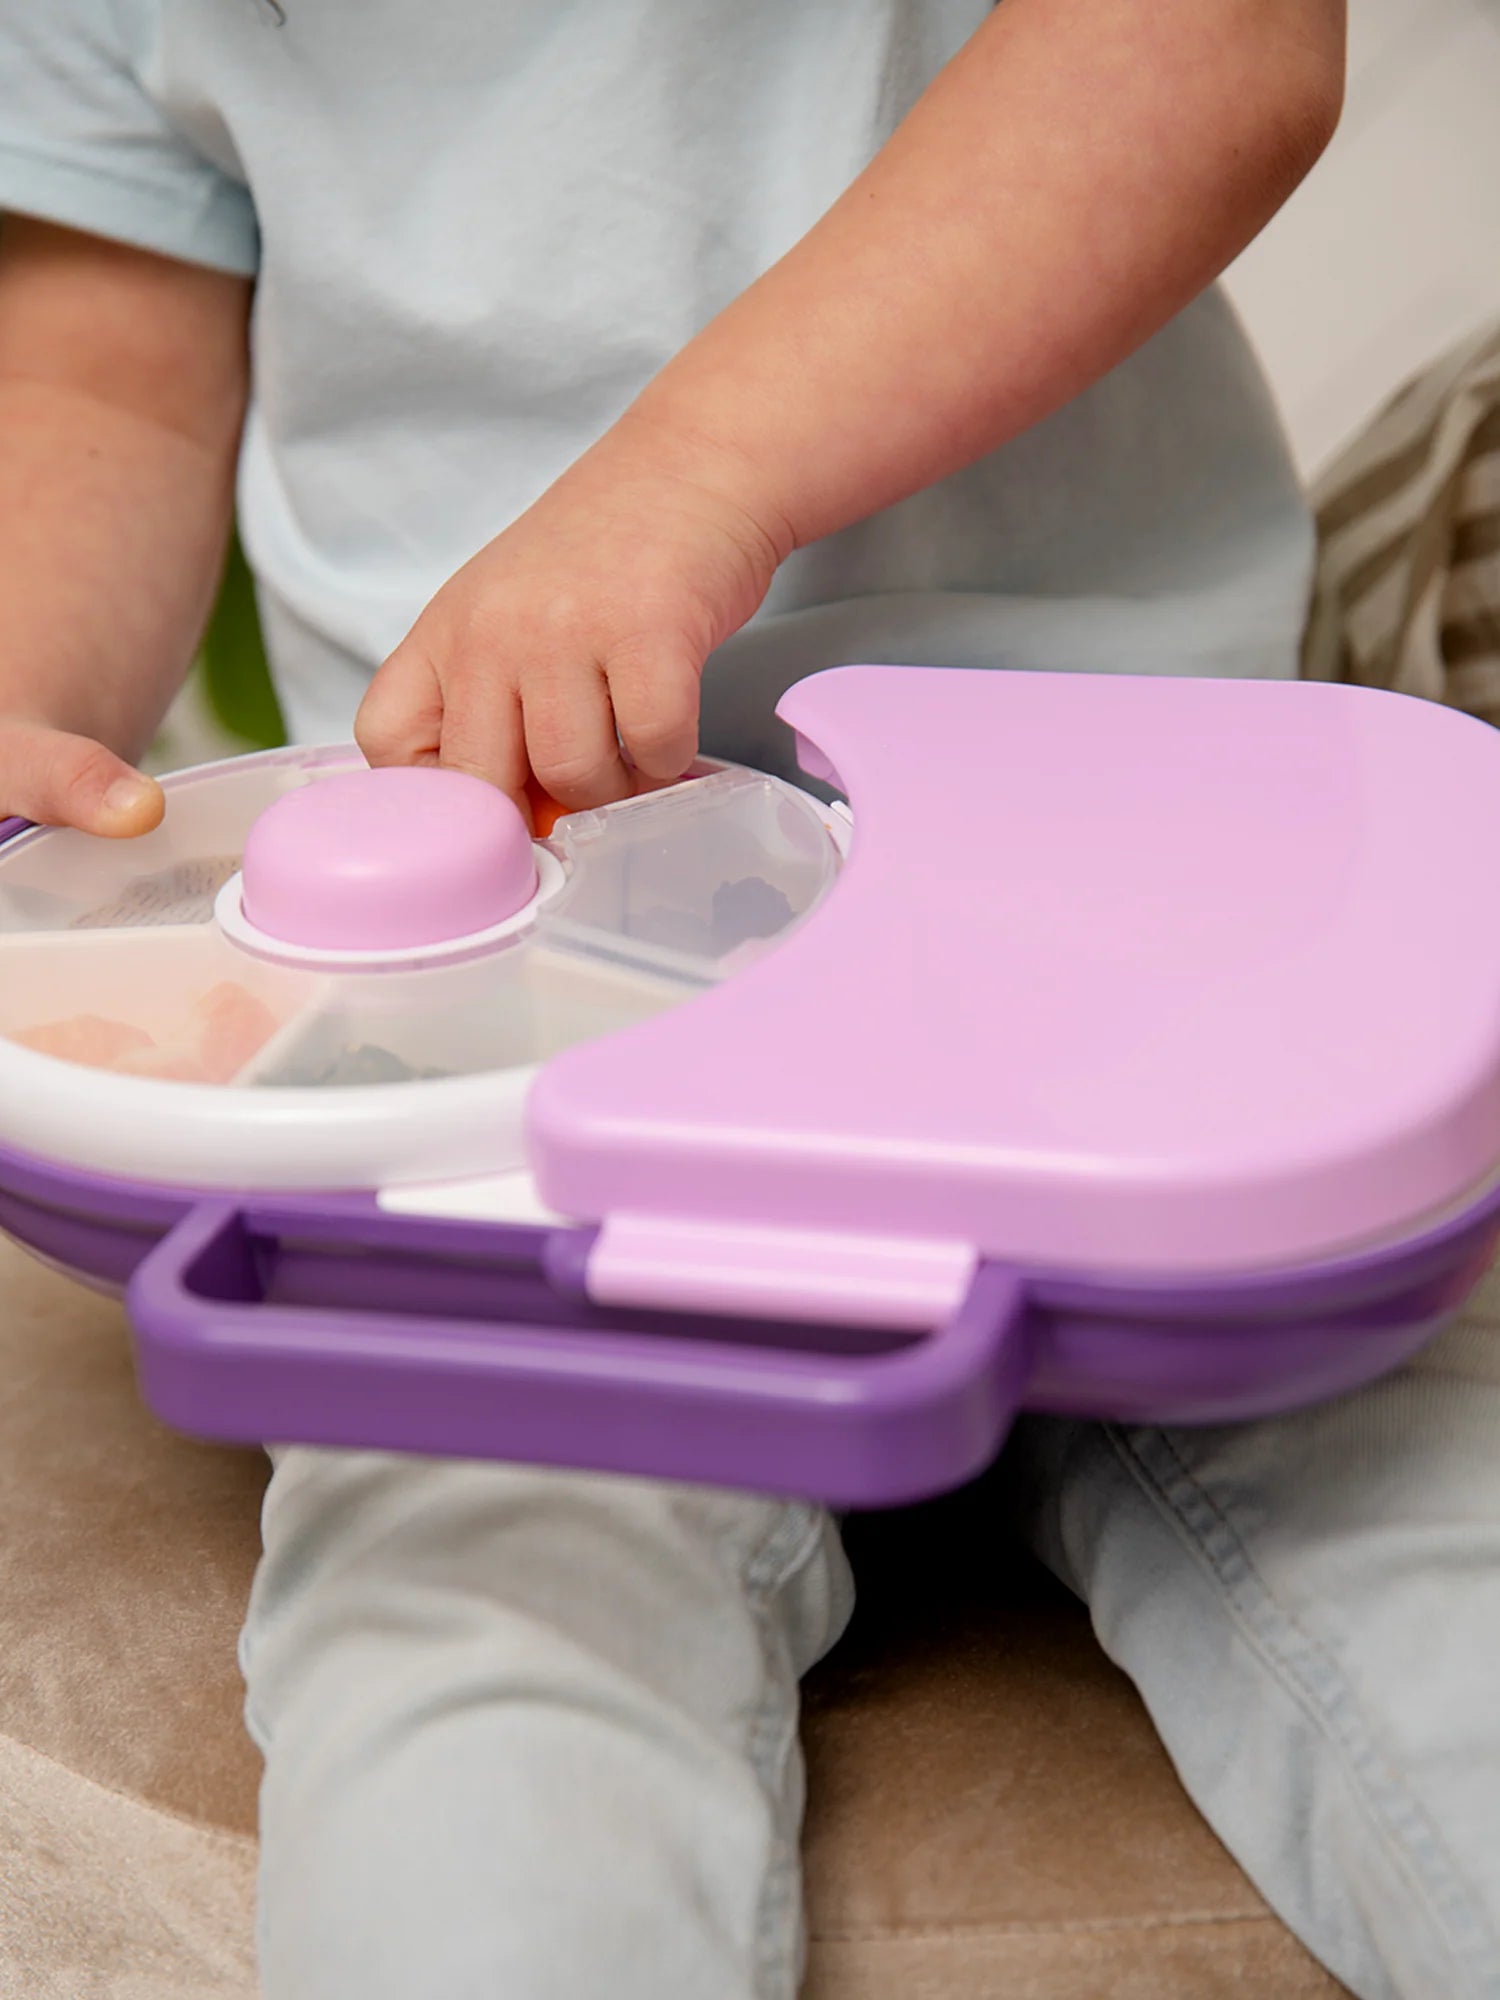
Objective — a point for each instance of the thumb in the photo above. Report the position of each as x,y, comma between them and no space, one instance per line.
61,780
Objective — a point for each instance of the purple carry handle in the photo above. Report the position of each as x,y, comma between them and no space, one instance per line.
262,1328
9,828
322,1320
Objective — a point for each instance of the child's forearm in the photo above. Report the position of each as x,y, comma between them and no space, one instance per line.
121,394
1072,180
111,534
1079,172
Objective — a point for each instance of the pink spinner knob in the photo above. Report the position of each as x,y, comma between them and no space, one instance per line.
387,860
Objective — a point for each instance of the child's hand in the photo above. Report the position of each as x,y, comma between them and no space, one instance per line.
975,278
61,780
581,629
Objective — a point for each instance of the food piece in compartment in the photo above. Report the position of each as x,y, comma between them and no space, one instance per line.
544,809
740,912
230,1025
181,895
222,1031
351,1068
86,1038
750,908
169,1062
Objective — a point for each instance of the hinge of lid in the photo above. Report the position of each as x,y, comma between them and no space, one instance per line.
749,1271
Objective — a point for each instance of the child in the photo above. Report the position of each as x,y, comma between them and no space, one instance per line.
592,346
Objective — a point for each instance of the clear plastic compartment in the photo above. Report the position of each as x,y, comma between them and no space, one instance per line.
172,1005
693,881
491,1014
65,881
110,960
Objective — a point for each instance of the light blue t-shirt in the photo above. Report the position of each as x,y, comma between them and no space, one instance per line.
479,226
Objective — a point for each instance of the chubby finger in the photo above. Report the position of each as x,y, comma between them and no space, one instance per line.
572,741
656,713
484,733
400,720
56,779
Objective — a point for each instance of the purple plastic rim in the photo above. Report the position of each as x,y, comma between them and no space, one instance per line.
1341,1282
276,1354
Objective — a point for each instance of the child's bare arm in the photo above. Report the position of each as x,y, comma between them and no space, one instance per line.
1078,173
1073,180
122,391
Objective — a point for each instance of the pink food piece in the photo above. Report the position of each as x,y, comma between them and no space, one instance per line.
227,1027
176,1062
87,1039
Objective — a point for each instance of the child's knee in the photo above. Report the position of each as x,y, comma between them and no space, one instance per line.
382,1570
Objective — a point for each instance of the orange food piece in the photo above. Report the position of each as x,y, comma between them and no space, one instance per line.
227,1027
86,1038
544,809
224,1029
173,1063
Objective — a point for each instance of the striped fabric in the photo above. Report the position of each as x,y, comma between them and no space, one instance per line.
1408,589
1408,597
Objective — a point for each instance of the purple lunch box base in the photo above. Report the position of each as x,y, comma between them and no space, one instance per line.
323,1320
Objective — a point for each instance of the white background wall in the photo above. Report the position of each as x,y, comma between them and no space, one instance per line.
1391,249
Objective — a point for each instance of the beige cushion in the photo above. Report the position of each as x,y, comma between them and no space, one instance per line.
990,1811
127,1785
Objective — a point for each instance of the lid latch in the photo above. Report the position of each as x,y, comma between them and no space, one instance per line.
906,1284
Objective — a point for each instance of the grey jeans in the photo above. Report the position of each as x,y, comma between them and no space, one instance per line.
532,1736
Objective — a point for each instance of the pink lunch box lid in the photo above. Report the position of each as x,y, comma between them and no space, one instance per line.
1123,974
